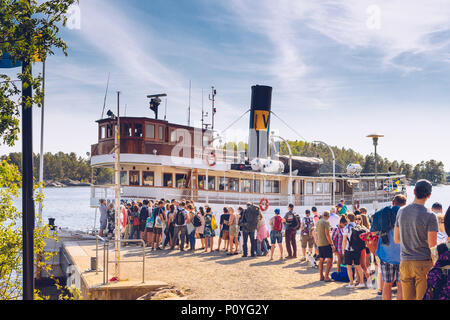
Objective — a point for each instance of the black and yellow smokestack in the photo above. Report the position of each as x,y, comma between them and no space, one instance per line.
261,104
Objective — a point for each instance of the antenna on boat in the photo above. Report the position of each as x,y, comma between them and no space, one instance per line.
106,93
212,97
165,110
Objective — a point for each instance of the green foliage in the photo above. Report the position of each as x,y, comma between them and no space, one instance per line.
27,30
11,235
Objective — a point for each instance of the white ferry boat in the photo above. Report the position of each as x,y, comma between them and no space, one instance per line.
159,160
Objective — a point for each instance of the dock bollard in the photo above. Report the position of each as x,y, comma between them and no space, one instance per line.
93,263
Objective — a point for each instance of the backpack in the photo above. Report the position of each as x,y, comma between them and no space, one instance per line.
135,216
297,221
307,228
438,284
278,223
179,217
197,222
356,243
251,217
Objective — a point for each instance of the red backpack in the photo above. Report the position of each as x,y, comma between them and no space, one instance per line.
278,224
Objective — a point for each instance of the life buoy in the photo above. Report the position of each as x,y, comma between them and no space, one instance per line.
264,204
211,159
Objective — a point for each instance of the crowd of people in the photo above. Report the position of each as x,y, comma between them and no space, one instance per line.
399,245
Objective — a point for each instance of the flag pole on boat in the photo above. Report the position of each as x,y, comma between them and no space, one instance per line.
117,190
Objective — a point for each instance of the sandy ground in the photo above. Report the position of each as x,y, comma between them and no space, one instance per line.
216,276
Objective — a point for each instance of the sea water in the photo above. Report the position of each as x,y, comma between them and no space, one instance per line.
70,206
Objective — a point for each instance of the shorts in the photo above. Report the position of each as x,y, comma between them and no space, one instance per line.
326,252
352,257
149,229
201,235
225,235
157,230
276,237
389,271
142,227
307,240
103,224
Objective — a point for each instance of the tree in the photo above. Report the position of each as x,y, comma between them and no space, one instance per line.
28,32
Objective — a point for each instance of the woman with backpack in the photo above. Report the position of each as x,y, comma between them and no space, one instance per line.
276,235
208,230
200,229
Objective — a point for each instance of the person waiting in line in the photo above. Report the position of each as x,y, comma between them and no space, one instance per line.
326,246
103,216
276,236
306,237
200,230
337,237
416,231
261,235
208,232
224,230
234,230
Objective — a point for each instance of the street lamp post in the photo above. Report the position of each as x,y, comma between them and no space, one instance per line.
334,169
375,137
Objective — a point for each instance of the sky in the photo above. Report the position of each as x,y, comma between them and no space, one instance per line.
340,70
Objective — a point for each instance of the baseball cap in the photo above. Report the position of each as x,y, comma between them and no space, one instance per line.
277,211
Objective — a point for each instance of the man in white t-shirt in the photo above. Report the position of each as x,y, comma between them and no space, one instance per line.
334,218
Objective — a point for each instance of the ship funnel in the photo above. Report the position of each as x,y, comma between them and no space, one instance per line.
261,104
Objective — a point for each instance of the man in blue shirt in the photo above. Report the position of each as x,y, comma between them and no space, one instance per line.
387,250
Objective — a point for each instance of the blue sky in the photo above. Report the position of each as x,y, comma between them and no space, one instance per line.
339,69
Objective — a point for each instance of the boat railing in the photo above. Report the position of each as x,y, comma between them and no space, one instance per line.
106,260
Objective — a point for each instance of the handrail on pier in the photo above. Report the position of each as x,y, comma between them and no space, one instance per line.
106,256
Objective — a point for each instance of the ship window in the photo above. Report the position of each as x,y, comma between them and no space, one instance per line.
150,131
109,130
267,187
372,185
211,183
234,184
173,136
276,187
246,186
138,130
127,129
148,178
181,180
102,132
123,178
319,187
309,188
202,182
134,178
257,186
337,187
326,187
161,132
168,180
223,184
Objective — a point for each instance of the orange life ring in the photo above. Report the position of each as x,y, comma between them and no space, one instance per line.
211,159
264,204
